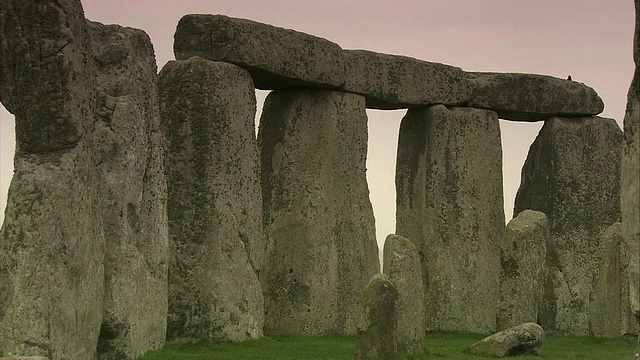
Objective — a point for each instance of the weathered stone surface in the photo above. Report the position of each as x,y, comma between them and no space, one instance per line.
630,181
522,260
208,111
518,340
610,313
132,187
276,58
572,174
376,339
321,243
532,97
449,204
401,263
396,82
23,358
52,240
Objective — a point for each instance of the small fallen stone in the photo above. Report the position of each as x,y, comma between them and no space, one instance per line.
522,339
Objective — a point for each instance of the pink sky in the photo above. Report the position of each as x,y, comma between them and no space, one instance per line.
591,40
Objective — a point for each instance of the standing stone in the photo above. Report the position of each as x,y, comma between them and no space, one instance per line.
609,309
129,149
319,224
522,260
52,242
376,338
402,264
449,204
572,174
630,181
519,340
215,234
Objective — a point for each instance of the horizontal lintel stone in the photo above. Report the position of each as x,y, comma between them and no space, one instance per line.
395,82
532,97
275,57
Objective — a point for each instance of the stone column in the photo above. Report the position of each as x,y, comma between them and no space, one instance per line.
449,203
522,260
208,111
319,224
572,174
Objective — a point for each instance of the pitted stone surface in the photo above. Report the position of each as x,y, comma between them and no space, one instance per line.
321,243
276,57
129,146
449,204
532,97
208,111
522,260
572,174
401,263
518,340
376,338
610,312
396,82
52,241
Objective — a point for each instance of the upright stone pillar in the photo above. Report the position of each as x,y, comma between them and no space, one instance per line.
208,110
630,181
52,244
376,338
522,259
572,174
319,224
449,203
129,148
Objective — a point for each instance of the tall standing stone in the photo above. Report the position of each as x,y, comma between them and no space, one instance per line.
208,110
52,242
572,174
129,148
319,224
401,263
449,203
376,338
522,275
630,180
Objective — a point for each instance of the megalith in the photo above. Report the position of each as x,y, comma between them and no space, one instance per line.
215,230
52,243
522,268
129,150
572,174
449,204
630,180
318,220
521,339
401,263
376,338
610,312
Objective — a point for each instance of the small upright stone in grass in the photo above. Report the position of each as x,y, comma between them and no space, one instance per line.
376,329
522,339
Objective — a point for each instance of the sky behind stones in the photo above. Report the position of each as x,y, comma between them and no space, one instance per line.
589,39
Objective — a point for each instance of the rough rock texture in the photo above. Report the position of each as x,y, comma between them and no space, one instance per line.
208,111
402,264
518,340
572,174
395,82
376,339
275,57
610,313
532,97
23,358
630,180
129,147
52,242
522,260
319,224
449,204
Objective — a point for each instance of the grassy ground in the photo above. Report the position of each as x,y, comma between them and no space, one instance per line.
437,346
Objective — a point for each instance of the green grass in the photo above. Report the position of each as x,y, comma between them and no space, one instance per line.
437,346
